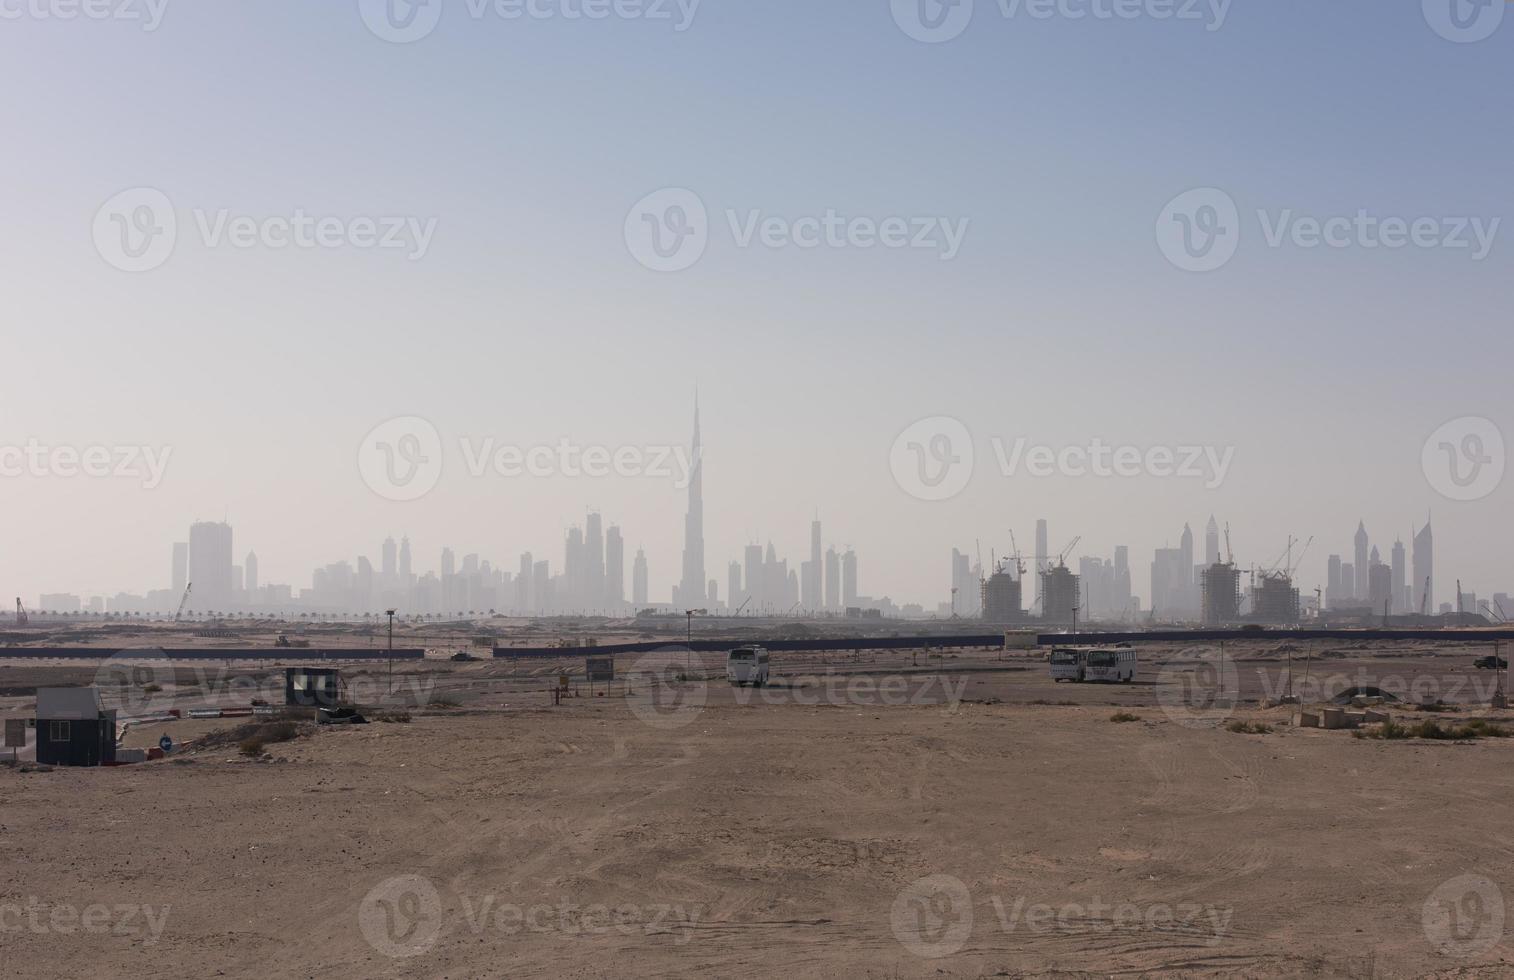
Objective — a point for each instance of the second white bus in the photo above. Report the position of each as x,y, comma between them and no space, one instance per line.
1110,665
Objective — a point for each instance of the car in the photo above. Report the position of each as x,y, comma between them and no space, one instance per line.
1491,663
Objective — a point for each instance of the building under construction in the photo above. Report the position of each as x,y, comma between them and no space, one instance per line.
1221,586
1002,599
1059,595
1274,600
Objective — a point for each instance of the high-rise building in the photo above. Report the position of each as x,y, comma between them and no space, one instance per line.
832,580
639,580
389,564
812,569
449,564
734,595
1334,594
250,574
210,566
1363,562
525,597
1188,574
1211,543
615,569
691,590
1041,557
575,573
180,566
1380,588
405,561
849,578
1423,563
754,578
594,563
1399,584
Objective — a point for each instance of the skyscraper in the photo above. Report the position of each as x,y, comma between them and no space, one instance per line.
849,578
755,588
1400,578
594,563
1041,559
1211,542
639,580
734,596
1422,589
210,565
1362,563
405,561
812,570
1187,582
615,569
389,566
250,567
832,580
691,590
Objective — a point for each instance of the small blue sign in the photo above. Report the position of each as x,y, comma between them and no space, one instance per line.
166,744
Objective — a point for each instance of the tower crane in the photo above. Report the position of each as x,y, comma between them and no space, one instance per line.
1062,558
21,617
180,611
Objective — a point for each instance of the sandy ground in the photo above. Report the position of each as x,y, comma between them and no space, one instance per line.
683,837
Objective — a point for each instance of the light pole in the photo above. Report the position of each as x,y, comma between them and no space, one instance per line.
390,614
688,651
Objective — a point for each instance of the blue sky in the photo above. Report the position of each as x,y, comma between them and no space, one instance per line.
1060,141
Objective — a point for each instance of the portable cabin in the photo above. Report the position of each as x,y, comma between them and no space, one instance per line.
312,687
72,728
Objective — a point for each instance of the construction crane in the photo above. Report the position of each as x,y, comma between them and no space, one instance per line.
21,617
180,611
1229,554
1500,609
742,606
1294,566
1424,598
1017,557
1062,558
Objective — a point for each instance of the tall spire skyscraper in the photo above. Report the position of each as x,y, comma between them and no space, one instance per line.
691,591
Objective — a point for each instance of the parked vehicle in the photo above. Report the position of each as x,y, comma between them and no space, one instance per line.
1491,663
1067,665
747,665
1110,665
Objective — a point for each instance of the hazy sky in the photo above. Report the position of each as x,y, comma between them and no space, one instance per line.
527,318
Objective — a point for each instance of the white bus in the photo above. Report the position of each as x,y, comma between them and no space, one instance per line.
747,665
1066,664
1118,664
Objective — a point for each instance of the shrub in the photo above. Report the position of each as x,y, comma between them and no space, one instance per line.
1248,728
444,703
393,717
1123,716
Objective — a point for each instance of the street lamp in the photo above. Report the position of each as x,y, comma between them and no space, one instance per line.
390,614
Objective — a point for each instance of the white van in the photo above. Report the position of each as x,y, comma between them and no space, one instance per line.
747,665
1066,664
1118,664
